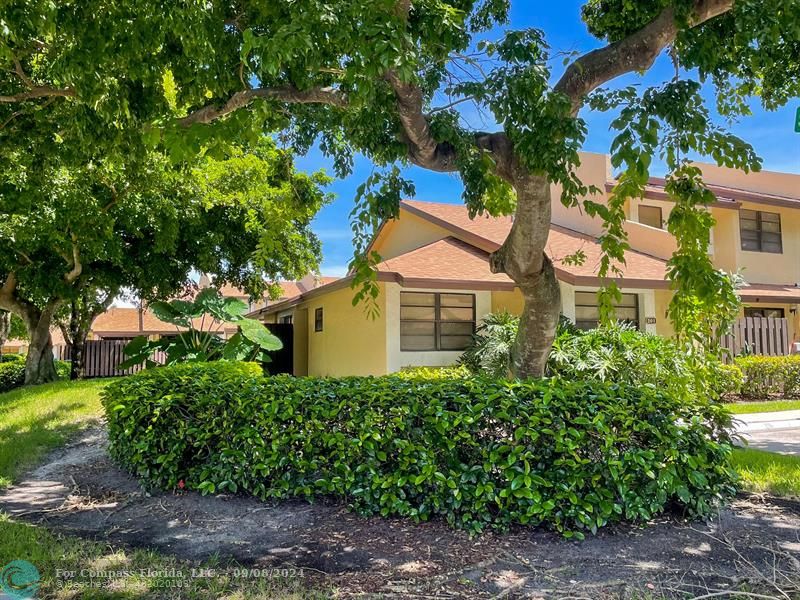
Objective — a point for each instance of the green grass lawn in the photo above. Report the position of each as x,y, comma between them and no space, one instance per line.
37,419
767,472
744,408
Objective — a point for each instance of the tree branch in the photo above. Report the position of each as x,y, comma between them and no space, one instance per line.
39,91
290,94
637,52
77,266
34,91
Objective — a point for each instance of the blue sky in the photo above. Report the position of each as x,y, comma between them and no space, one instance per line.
771,133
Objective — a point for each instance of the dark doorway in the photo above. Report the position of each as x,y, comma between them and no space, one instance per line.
283,359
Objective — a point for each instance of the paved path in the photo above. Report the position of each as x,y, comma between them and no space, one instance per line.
775,431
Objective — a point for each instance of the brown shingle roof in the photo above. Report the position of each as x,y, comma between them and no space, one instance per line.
449,259
289,289
489,233
462,259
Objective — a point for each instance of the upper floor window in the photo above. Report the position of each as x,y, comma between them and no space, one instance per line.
432,321
587,312
651,216
760,231
318,319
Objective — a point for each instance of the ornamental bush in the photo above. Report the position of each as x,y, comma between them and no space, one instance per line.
727,381
12,374
766,376
624,355
13,358
571,455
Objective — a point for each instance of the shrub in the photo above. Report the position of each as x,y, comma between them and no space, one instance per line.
624,355
489,353
572,455
765,376
433,373
13,358
490,350
12,375
63,369
727,380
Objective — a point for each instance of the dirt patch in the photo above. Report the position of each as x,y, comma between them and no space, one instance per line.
79,491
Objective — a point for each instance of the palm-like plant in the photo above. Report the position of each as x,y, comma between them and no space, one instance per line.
490,350
203,341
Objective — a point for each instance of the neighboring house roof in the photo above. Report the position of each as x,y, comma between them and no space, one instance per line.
289,289
122,321
727,197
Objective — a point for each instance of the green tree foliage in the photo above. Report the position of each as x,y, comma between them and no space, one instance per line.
73,234
200,329
387,79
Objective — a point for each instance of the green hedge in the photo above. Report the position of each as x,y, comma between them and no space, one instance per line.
13,358
12,374
766,376
571,455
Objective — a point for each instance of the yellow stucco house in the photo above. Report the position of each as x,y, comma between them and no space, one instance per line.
436,284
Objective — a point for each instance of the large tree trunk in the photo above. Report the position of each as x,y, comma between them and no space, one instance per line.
39,366
537,324
523,259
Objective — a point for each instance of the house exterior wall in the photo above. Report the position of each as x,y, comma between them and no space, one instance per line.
767,182
397,359
408,233
350,343
767,267
663,324
594,170
726,239
300,342
511,302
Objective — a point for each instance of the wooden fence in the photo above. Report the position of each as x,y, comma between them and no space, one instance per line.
767,337
103,357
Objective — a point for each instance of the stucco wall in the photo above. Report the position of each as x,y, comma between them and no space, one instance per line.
512,302
766,267
407,233
663,324
594,170
726,239
767,182
350,343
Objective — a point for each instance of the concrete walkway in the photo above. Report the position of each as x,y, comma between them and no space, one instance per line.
775,431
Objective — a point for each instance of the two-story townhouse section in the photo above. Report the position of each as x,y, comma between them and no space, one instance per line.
436,284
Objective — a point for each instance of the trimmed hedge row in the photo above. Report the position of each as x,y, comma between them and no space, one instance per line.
761,377
571,455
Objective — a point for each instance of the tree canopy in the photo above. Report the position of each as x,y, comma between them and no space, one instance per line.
72,233
387,78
